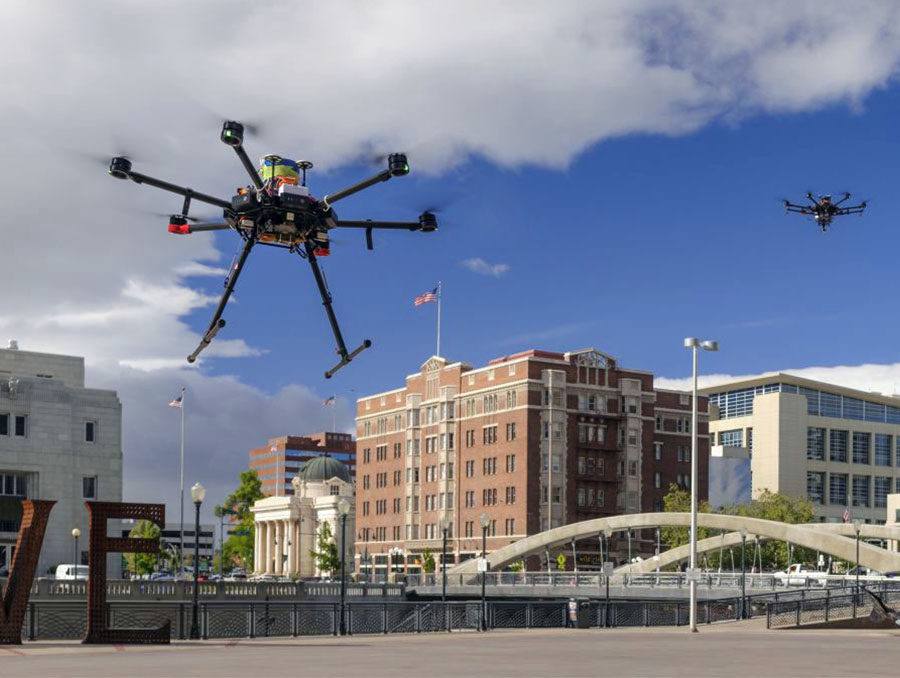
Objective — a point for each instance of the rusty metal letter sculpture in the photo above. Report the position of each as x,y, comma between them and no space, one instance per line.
35,513
100,544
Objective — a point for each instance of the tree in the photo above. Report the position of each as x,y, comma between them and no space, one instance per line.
768,506
679,501
142,563
427,561
239,545
326,553
516,566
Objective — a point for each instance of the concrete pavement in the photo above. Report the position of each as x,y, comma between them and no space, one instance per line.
735,650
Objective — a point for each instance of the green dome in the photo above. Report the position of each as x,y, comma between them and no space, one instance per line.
323,468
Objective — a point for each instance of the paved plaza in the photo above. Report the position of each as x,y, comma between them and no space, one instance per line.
726,649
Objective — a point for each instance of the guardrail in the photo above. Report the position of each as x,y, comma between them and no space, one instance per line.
710,580
824,608
54,620
142,589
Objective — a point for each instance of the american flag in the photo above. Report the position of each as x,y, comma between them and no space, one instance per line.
328,402
846,515
177,401
425,298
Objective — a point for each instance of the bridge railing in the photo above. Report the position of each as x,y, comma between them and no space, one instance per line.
824,608
709,580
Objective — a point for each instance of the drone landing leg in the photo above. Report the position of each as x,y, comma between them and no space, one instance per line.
217,322
346,356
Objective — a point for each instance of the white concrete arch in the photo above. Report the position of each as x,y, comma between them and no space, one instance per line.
817,537
729,539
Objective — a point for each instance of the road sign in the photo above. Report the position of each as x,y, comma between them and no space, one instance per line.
483,565
608,568
692,574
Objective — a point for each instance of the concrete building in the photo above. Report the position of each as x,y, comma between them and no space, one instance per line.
837,446
287,527
534,440
279,460
60,441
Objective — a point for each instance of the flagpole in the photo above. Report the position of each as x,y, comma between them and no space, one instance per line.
334,416
439,293
181,528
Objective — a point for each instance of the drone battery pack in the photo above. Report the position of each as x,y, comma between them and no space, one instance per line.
241,202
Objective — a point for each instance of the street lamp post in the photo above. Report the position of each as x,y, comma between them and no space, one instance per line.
485,523
607,533
857,526
198,492
743,574
76,533
343,510
445,527
693,343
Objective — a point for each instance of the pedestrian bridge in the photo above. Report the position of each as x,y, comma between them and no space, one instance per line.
835,539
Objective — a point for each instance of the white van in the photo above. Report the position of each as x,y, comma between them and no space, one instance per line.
71,571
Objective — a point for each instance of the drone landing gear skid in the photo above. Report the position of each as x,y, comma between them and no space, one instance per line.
217,322
346,356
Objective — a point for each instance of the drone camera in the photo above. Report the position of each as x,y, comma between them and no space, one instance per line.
120,168
398,165
427,222
233,133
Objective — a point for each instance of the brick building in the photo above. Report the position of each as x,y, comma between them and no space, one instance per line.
507,438
278,461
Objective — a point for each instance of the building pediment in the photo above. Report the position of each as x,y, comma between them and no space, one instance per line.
591,357
434,364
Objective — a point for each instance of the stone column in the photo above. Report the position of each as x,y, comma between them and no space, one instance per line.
267,548
290,548
279,551
257,555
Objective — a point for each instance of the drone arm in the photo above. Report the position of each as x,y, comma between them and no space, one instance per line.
139,178
844,199
346,357
799,209
383,175
856,209
251,170
217,323
396,225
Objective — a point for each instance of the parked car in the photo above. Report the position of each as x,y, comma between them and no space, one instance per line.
162,576
72,571
800,575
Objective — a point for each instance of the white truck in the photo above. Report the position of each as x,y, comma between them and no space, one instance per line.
71,571
800,575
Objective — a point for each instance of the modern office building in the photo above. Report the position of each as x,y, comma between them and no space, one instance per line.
60,441
534,440
279,460
837,446
171,543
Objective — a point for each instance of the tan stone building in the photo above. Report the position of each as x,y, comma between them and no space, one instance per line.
534,440
835,445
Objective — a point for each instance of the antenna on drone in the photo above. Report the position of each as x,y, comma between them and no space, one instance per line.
304,165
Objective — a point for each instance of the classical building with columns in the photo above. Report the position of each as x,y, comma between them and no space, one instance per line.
287,527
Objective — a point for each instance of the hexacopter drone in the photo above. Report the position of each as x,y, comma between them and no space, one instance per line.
278,210
823,210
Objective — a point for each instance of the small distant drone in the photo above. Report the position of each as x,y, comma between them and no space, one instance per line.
278,210
823,210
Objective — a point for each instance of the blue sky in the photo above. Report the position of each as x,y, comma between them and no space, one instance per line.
619,163
639,242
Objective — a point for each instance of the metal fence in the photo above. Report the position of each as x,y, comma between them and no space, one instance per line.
589,580
825,607
47,620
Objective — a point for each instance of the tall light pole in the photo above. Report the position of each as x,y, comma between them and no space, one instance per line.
743,574
857,526
693,343
76,533
343,509
445,526
485,523
198,492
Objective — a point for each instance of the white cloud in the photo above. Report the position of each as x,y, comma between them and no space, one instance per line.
479,265
515,82
883,379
